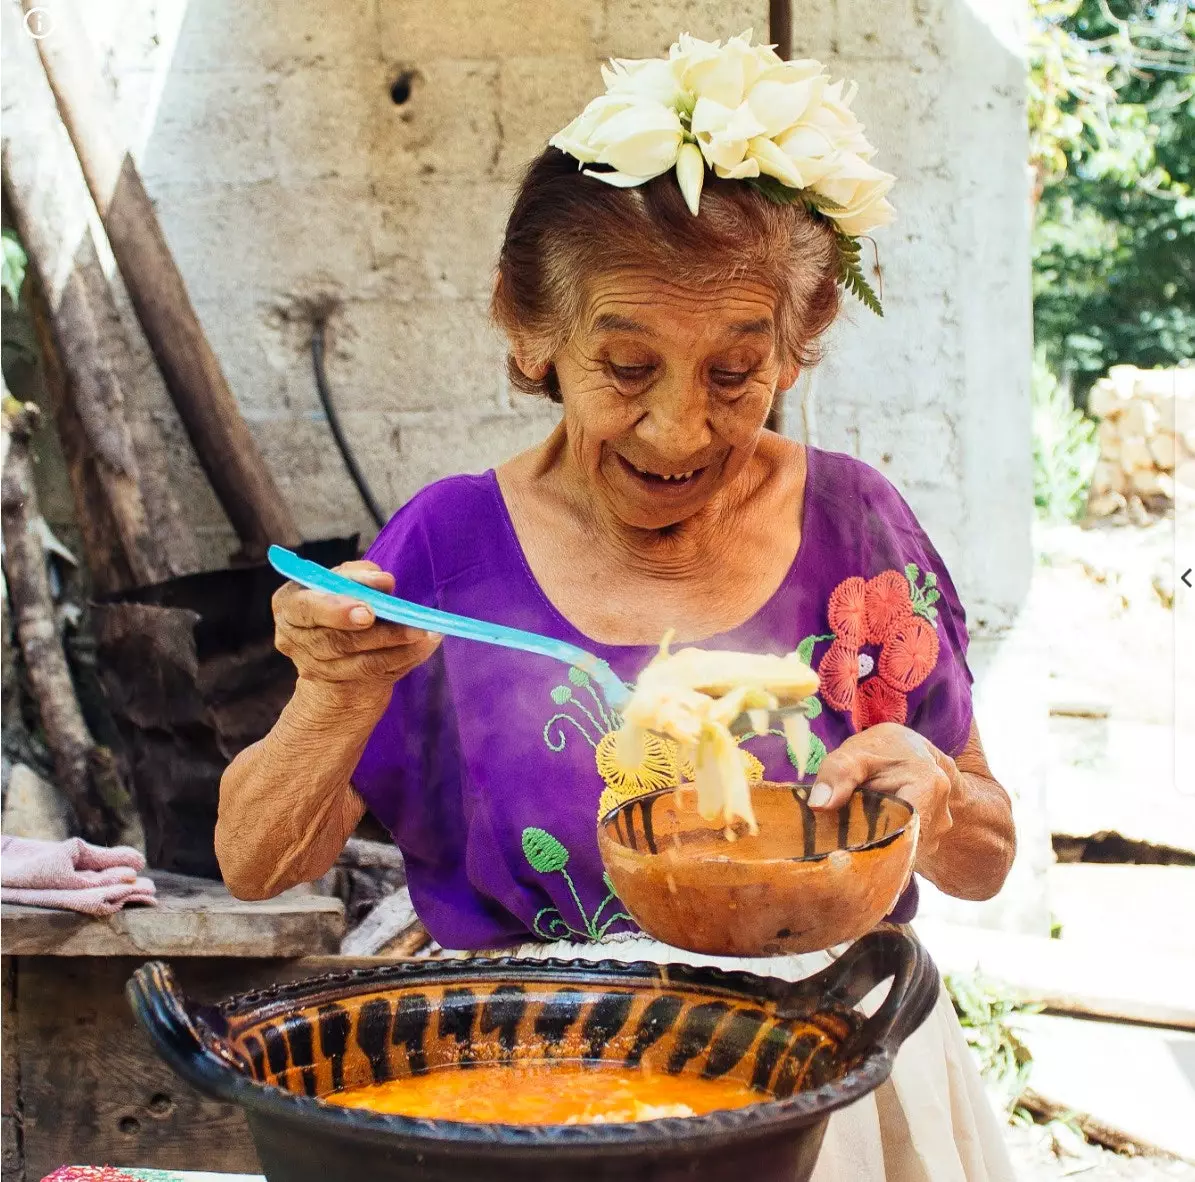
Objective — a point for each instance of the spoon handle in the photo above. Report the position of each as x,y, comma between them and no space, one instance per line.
401,611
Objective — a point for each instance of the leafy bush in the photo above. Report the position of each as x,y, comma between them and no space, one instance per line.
987,1014
1064,448
1112,120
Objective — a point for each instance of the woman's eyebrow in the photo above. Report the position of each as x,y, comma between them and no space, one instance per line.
752,328
612,322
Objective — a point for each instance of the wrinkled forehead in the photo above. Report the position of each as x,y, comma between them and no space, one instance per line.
649,304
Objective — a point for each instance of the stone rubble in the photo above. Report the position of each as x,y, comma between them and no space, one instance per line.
1147,441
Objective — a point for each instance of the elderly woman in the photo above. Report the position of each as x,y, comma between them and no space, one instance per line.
663,318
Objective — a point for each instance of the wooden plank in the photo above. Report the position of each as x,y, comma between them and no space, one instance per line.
194,917
93,1087
12,1155
1138,983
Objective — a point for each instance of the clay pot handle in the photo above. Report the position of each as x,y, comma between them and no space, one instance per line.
188,1043
885,952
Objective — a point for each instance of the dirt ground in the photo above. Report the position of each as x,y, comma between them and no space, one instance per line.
1036,1160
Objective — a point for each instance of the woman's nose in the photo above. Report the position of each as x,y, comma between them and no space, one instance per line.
677,423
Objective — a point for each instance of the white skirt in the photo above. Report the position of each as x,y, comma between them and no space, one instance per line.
930,1122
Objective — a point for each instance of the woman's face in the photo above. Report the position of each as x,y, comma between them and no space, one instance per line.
666,390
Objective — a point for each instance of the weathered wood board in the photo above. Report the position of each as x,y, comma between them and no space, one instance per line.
194,917
93,1089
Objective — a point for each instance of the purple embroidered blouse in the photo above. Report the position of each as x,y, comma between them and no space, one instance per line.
485,766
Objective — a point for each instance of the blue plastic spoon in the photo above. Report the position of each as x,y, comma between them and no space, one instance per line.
401,611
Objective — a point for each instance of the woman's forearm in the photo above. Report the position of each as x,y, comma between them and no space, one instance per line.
974,857
286,804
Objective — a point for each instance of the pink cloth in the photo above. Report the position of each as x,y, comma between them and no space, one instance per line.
72,875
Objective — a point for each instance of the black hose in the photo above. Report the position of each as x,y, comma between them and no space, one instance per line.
325,397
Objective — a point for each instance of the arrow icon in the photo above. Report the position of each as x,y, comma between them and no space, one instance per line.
1186,577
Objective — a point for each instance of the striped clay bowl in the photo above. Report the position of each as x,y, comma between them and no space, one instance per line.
805,1047
807,881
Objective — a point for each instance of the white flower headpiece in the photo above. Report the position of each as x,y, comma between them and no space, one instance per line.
744,112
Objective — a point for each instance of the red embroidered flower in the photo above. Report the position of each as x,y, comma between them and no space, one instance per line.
894,614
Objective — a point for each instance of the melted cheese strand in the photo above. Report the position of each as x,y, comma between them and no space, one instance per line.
692,696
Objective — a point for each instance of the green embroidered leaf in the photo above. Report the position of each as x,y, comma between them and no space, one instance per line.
913,573
805,648
813,706
562,694
542,851
817,752
931,579
932,596
578,677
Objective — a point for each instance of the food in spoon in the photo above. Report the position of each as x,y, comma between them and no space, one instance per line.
693,695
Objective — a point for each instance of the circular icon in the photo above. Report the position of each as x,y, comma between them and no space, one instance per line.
38,23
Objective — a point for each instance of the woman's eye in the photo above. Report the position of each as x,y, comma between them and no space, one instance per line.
729,378
630,373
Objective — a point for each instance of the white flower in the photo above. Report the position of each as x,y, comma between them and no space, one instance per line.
638,137
860,188
784,95
690,175
724,74
654,78
743,111
723,134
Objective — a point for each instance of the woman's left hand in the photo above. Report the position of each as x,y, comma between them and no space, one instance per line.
892,758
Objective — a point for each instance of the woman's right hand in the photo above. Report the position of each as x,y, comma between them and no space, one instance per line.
339,646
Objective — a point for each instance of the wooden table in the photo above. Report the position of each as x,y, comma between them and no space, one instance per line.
81,1083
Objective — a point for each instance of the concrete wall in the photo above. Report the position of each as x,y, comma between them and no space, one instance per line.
936,394
284,173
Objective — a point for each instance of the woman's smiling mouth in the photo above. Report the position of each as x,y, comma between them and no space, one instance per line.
662,482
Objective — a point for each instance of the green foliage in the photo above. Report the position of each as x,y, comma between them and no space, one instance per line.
1065,450
1112,124
12,266
987,1014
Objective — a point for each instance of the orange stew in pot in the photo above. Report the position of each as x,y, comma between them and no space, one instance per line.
537,1093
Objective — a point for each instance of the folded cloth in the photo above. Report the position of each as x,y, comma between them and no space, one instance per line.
73,875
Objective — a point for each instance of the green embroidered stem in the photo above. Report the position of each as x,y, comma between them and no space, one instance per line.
548,934
572,890
607,721
924,597
601,935
583,681
597,726
611,897
805,648
560,733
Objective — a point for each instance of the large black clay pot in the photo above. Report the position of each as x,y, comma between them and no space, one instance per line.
805,1046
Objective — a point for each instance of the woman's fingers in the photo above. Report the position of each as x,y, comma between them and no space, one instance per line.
301,608
887,757
383,665
329,644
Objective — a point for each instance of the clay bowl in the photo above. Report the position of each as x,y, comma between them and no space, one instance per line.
806,1048
808,880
